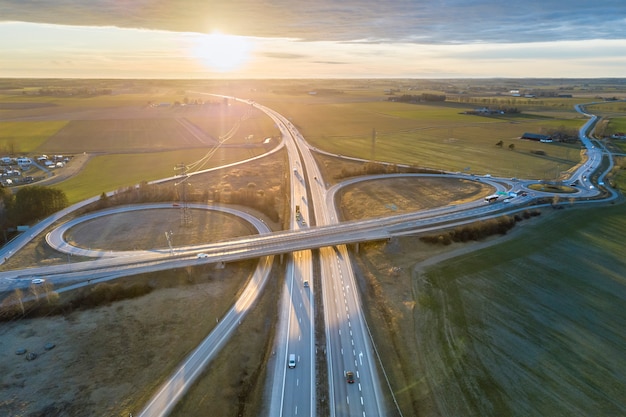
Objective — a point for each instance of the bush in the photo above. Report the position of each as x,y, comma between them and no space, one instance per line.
479,230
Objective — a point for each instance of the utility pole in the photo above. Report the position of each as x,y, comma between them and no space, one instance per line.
373,144
168,236
185,215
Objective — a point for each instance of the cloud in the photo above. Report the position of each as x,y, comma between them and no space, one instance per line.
434,22
330,62
283,55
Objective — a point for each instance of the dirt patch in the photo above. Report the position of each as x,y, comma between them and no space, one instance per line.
147,229
386,197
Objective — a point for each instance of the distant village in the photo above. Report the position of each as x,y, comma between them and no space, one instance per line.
25,170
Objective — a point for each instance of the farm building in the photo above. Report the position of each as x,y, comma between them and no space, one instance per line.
536,136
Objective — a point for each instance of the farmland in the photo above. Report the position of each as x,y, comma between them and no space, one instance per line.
349,118
418,134
526,324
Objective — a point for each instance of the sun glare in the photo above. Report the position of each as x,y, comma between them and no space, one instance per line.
222,52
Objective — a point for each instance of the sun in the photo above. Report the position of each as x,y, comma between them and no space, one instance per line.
222,53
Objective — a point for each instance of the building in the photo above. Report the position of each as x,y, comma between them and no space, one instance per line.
536,137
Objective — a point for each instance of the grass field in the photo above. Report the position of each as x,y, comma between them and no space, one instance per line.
617,125
509,330
19,138
420,134
115,126
110,172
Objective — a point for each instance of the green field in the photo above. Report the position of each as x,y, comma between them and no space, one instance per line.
419,134
528,326
349,117
110,172
617,125
20,138
511,331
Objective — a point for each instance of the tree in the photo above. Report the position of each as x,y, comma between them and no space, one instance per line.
499,144
512,147
35,202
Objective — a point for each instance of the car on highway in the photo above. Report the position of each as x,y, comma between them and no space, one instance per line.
350,377
202,255
38,281
292,361
306,284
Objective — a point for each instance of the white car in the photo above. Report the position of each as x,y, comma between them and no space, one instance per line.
38,281
202,255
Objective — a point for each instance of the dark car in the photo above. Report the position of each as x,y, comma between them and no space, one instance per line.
350,377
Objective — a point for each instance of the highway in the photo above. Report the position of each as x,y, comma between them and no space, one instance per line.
293,389
348,344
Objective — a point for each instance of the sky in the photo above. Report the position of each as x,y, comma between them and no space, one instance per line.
245,39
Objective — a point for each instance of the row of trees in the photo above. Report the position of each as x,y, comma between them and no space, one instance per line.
81,92
377,168
409,98
250,196
29,204
479,230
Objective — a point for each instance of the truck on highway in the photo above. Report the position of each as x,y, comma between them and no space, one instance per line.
492,198
500,196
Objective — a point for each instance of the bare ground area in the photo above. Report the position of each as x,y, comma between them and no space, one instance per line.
386,197
108,360
146,230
